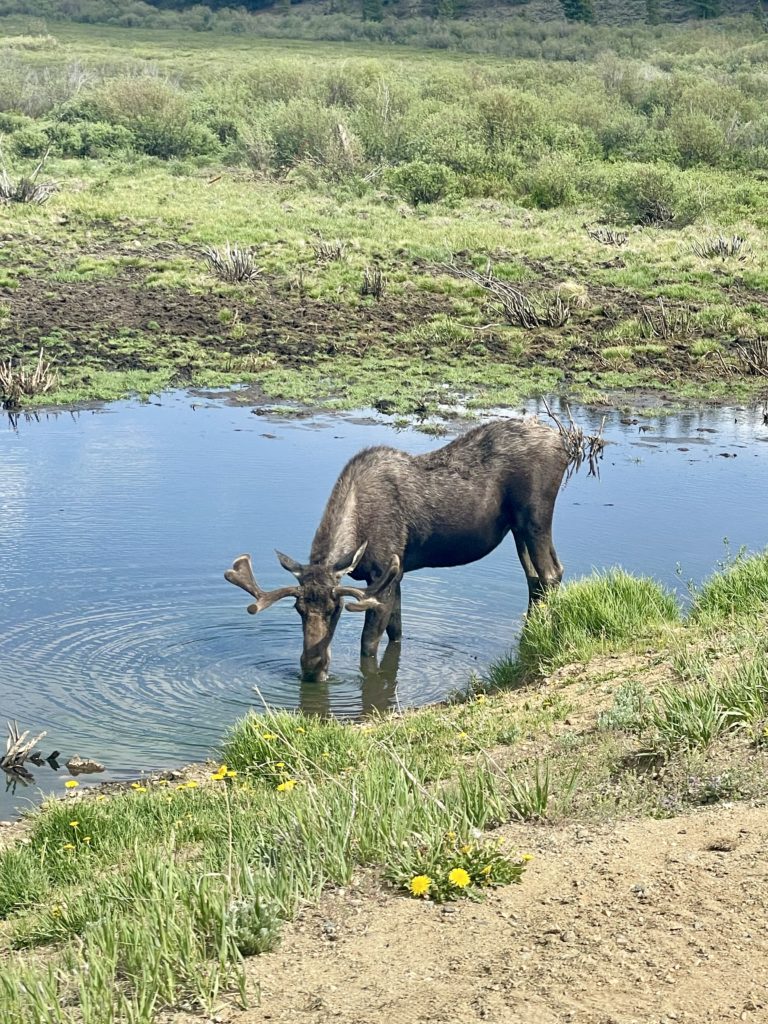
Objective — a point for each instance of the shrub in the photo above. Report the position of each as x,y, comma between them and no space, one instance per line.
31,141
553,182
654,194
161,119
421,182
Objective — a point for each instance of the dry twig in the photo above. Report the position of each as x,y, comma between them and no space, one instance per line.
231,263
25,190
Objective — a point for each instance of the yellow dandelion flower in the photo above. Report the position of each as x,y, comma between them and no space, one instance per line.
466,848
192,784
71,784
100,797
74,824
86,839
138,788
420,885
287,786
487,870
217,776
451,837
269,736
68,846
463,735
55,911
459,878
279,764
526,857
300,728
162,782
231,774
223,769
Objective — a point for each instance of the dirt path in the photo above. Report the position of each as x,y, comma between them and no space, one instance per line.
642,921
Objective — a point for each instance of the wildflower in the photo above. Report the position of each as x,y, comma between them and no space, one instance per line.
217,776
487,870
71,784
420,885
162,782
68,846
86,840
100,797
269,736
223,769
287,786
459,878
451,837
466,848
463,735
138,787
481,698
279,764
55,911
300,728
74,824
192,784
231,774
526,857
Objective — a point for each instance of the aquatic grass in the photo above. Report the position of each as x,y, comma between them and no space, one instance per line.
739,588
605,612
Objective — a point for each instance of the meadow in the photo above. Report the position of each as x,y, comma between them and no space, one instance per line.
125,903
409,228
350,225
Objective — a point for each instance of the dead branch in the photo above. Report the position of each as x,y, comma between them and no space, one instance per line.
579,446
516,308
17,750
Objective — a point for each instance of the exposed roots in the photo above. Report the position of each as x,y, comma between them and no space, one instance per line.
373,282
512,304
608,236
753,356
232,263
660,322
579,447
18,381
17,750
23,189
719,247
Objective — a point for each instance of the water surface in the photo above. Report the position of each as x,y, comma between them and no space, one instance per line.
119,635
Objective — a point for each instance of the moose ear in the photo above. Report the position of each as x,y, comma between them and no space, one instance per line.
348,563
288,563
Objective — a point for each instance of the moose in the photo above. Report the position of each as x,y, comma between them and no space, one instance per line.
391,513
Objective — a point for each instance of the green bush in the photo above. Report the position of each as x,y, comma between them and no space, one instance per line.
421,182
552,182
652,194
162,120
30,141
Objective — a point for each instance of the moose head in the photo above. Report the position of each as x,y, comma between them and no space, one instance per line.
319,596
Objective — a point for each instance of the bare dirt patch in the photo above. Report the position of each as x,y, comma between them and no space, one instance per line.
613,924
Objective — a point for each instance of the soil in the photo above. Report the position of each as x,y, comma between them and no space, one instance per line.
629,923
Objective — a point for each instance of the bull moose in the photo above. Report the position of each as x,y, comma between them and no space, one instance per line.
391,512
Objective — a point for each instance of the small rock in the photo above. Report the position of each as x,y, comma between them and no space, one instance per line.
722,844
83,765
568,936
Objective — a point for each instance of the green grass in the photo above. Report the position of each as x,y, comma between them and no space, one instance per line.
118,905
740,589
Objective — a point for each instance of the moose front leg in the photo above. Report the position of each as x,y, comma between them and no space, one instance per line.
376,621
395,624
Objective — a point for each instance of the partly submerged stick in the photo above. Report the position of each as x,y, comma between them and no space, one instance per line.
578,445
17,750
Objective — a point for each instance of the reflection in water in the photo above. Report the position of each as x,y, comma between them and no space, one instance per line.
120,637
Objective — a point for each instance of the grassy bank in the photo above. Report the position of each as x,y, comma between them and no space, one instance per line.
622,198
120,907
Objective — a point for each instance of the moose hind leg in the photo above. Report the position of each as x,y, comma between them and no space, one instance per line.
535,589
537,537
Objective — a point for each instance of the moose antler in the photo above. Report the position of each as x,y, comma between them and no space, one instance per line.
241,574
367,597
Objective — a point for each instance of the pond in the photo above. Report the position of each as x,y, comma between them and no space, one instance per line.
120,637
